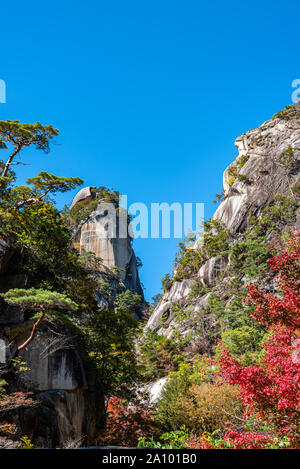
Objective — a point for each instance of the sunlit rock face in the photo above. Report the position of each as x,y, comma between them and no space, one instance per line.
155,389
210,271
105,233
262,176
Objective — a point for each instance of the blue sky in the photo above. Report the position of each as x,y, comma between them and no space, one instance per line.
148,96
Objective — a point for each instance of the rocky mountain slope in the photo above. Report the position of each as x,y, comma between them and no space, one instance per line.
259,205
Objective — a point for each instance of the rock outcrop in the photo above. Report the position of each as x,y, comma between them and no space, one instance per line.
99,233
68,404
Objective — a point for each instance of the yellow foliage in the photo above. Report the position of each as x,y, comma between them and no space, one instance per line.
207,407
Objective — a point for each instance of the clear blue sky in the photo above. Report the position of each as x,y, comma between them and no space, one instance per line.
148,96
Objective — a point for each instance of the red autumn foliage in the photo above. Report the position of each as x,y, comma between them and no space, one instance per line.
232,440
16,400
125,424
272,388
283,310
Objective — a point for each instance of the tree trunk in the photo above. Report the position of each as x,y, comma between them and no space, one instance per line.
27,341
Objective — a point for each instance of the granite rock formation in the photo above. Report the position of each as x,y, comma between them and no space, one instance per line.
250,183
99,234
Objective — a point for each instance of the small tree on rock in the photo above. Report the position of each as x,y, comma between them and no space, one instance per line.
41,301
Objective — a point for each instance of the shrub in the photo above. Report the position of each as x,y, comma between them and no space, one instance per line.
125,423
129,301
177,386
271,388
159,355
244,342
207,407
249,257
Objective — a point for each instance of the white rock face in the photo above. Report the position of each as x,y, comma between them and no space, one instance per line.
155,389
3,346
210,271
100,234
96,238
178,292
263,176
83,196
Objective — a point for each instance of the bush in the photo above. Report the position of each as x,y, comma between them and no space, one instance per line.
177,386
125,424
129,301
249,257
159,355
207,407
244,342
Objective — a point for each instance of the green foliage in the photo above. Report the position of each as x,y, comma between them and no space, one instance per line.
235,168
166,282
177,385
188,261
19,365
197,290
288,113
130,302
26,442
287,159
12,133
244,342
282,211
109,336
38,299
235,325
91,262
158,354
249,257
220,197
50,183
101,194
62,285
156,299
35,229
215,239
3,392
176,439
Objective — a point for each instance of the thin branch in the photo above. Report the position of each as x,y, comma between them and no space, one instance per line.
32,200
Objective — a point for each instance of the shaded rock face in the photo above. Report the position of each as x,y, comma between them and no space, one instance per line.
70,404
258,179
70,401
100,234
5,253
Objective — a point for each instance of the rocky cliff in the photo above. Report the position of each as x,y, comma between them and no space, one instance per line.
68,404
98,233
260,203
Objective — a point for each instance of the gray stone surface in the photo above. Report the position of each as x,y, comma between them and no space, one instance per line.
210,271
100,234
83,196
